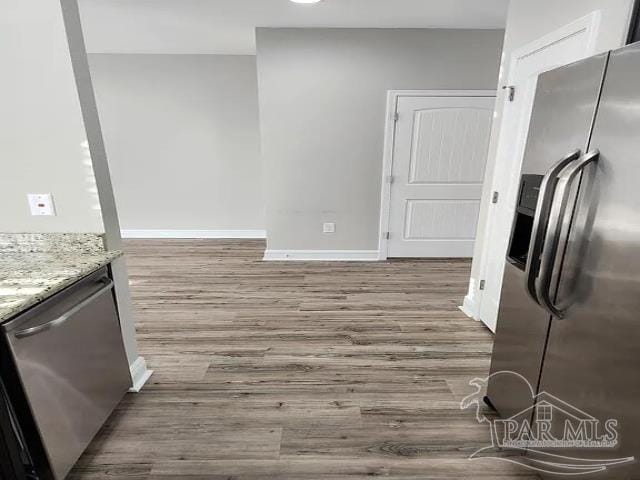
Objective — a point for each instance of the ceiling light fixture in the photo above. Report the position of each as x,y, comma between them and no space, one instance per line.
305,1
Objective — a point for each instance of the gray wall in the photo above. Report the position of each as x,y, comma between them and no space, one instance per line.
322,115
182,137
42,135
527,21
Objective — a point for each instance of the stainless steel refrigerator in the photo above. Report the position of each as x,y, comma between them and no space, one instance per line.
569,318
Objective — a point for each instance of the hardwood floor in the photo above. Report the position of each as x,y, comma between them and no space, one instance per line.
296,371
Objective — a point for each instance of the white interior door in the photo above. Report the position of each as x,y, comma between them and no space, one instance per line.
569,44
439,158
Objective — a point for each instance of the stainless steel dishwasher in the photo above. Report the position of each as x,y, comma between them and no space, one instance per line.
71,362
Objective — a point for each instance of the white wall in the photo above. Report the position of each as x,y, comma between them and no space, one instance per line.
526,22
322,110
42,135
182,137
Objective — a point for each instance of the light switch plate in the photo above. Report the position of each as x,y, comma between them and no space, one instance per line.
41,204
329,228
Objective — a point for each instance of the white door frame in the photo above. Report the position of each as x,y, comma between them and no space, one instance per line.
591,25
393,96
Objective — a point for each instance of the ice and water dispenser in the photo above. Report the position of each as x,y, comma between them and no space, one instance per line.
523,222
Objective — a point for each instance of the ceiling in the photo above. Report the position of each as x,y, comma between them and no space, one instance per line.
228,26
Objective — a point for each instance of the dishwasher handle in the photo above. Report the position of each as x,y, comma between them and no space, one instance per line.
28,332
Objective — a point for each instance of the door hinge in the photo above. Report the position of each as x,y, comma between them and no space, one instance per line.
387,235
496,197
512,92
390,179
483,283
396,116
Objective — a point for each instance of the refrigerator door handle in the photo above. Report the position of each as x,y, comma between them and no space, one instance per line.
552,239
541,221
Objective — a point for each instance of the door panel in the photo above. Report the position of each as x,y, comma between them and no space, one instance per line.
438,168
561,120
449,145
441,219
593,359
519,346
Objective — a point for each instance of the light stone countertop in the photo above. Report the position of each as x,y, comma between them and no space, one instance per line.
33,267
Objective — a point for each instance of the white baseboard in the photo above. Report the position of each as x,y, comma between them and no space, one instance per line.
322,255
470,308
139,374
259,234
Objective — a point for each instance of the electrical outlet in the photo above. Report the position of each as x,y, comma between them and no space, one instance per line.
41,204
329,228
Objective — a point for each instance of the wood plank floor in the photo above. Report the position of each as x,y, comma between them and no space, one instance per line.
296,371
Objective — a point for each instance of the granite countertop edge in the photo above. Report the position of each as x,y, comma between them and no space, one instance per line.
84,265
